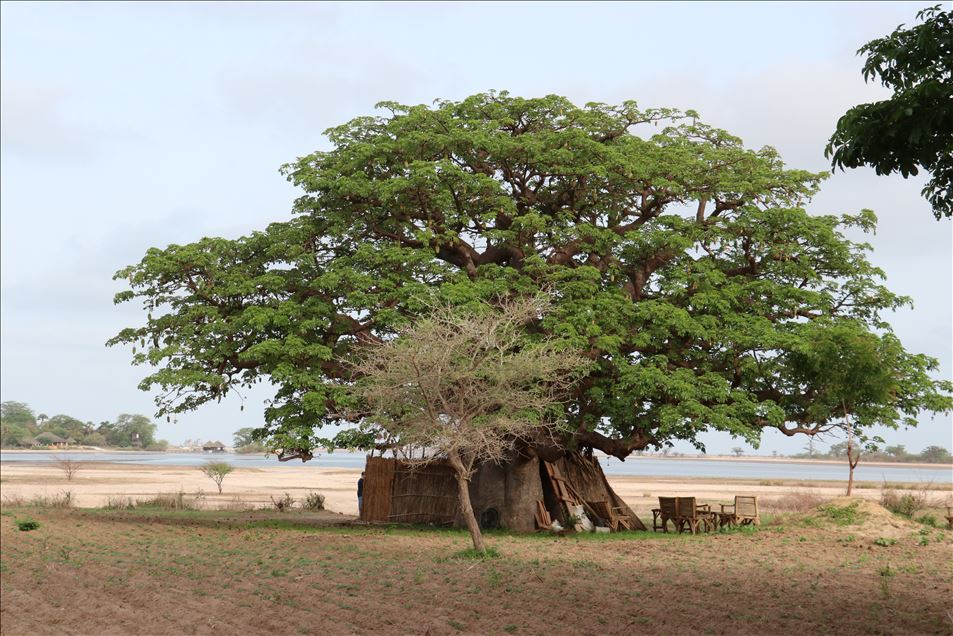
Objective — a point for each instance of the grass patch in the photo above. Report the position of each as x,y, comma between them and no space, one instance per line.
842,515
473,554
25,525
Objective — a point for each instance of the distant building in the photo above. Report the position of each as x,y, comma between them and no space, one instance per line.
50,439
213,447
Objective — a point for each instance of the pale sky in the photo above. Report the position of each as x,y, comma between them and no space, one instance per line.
127,126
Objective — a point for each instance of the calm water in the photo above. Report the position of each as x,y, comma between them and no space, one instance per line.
637,466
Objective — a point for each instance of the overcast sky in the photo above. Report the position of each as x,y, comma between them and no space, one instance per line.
126,126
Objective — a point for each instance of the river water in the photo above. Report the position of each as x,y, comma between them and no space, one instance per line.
634,466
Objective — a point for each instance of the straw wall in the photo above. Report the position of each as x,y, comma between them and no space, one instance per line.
398,492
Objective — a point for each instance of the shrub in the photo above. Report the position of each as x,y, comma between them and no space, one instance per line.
314,501
119,503
68,466
14,500
906,504
171,501
62,500
284,503
26,525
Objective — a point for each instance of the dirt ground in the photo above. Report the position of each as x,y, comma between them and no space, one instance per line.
216,572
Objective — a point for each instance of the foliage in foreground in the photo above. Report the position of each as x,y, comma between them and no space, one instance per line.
914,128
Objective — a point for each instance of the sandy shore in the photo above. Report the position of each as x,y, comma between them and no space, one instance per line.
96,483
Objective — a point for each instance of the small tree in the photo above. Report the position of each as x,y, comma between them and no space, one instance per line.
68,466
468,386
738,451
216,471
858,379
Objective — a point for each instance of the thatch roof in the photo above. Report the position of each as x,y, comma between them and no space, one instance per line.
215,444
49,438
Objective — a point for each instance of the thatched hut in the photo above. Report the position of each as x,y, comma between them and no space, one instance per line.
50,439
213,447
524,494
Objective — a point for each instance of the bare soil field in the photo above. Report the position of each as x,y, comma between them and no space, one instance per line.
843,568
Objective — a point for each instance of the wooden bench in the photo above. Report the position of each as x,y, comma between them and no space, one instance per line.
743,512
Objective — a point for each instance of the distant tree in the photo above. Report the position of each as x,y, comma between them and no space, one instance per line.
243,437
11,434
129,430
738,451
838,450
935,455
914,128
17,413
64,426
95,439
158,445
246,442
469,385
216,471
899,451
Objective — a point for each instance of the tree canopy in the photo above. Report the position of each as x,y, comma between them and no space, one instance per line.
914,128
681,263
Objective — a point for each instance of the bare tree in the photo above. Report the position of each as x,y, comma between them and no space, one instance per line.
467,386
68,466
216,471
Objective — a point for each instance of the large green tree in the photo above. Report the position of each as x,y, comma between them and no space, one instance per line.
913,129
682,263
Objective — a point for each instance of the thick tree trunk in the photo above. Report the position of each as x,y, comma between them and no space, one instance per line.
510,491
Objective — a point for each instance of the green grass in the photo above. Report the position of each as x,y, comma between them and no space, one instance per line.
25,525
842,515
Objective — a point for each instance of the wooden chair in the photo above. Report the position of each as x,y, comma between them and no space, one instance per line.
665,512
691,516
743,512
614,517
